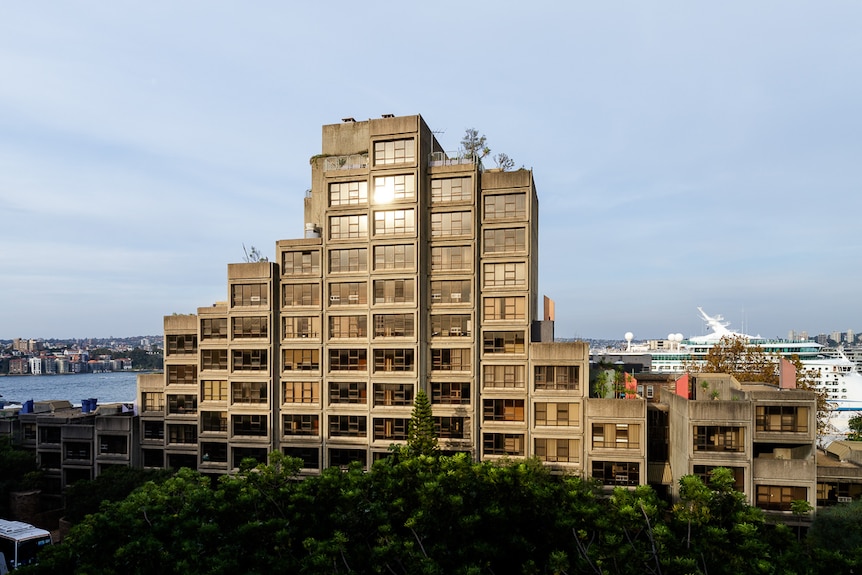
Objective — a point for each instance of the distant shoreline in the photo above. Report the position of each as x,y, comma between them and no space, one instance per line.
87,373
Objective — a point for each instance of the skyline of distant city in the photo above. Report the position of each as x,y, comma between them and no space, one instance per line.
125,340
838,336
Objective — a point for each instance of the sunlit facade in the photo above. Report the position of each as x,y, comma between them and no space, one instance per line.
418,269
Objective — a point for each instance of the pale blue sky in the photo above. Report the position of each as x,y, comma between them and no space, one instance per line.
686,153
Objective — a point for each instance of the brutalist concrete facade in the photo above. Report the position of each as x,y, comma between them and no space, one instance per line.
418,269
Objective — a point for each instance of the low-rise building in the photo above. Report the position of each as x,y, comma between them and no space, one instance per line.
74,443
765,435
839,473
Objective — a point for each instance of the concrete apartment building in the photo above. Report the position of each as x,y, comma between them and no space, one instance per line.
764,434
418,270
74,443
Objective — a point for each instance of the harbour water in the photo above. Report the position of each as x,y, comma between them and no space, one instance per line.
107,387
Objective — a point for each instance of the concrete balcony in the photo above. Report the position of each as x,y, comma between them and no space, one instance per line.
458,158
122,424
784,469
351,162
77,432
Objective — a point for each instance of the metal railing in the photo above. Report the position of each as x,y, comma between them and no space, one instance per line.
351,162
453,158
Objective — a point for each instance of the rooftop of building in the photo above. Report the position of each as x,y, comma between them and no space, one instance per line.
844,452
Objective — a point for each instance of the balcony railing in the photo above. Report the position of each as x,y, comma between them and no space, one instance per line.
453,158
352,162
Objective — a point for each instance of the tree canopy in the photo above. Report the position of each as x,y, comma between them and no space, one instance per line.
747,363
474,144
115,483
428,515
855,427
18,470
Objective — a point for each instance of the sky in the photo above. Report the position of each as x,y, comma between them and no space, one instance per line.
686,153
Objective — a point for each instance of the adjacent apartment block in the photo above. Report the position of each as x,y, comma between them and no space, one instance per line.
418,269
765,435
74,443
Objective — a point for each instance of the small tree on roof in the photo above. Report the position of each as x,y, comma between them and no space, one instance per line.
421,435
504,162
473,143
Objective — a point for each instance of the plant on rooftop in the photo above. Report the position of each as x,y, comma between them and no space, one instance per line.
504,162
474,144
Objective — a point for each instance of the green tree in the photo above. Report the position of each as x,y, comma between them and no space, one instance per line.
694,504
115,483
146,531
18,470
747,363
800,508
416,515
835,538
142,359
421,434
600,384
855,427
504,162
474,144
633,526
720,531
609,381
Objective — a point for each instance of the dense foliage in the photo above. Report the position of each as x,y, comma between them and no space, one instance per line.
18,471
145,360
855,427
836,538
115,483
425,515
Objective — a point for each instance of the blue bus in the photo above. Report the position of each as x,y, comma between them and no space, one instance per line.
19,544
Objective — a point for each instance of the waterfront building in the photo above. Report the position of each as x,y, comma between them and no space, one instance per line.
19,366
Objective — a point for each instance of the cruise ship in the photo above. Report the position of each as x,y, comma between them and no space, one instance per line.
833,372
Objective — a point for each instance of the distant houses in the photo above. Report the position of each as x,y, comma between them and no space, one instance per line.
51,364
